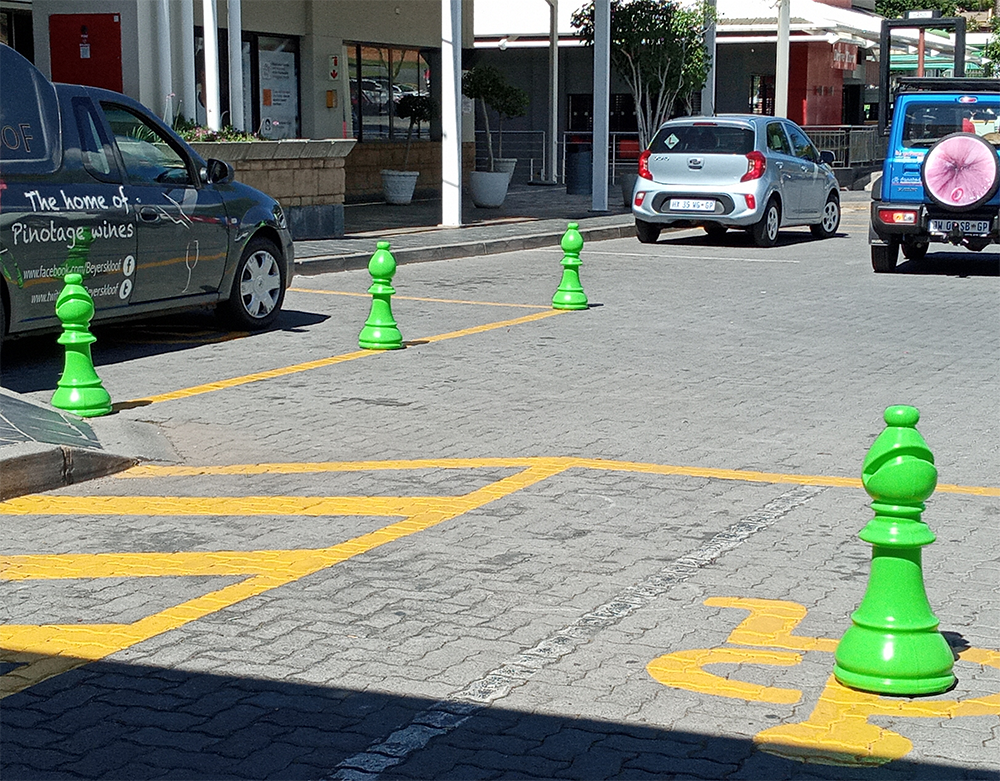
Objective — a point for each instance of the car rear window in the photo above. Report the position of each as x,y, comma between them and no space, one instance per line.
926,123
704,139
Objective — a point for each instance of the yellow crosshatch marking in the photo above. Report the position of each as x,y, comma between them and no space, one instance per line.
47,650
837,731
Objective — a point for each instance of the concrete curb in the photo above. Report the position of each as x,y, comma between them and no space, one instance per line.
32,467
323,265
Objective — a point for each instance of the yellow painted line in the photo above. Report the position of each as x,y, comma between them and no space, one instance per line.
49,650
417,298
517,463
837,731
322,362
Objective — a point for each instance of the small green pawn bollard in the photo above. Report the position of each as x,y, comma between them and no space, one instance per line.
380,331
80,390
894,646
569,294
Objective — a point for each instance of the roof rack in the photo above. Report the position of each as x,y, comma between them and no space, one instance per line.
945,84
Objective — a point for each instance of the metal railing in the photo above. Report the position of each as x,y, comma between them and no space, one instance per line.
527,146
851,144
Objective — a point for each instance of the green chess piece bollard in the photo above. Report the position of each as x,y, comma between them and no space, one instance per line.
80,390
380,331
893,646
569,294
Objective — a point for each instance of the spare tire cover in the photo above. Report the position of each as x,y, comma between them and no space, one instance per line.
961,171
30,137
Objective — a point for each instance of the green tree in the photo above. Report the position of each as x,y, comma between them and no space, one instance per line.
896,9
658,48
991,52
416,108
487,85
513,103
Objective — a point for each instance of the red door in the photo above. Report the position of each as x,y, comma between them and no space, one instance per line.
87,49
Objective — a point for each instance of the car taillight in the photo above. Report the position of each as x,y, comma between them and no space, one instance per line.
756,165
897,216
644,166
639,198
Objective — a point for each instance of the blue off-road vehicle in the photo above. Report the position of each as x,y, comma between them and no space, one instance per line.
940,181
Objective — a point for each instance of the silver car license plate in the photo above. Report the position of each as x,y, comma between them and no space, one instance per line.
688,205
968,227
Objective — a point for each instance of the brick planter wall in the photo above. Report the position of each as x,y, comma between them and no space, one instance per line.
306,176
366,161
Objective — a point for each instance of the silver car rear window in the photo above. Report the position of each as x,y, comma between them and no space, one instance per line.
703,139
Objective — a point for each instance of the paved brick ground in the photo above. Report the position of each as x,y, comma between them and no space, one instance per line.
511,639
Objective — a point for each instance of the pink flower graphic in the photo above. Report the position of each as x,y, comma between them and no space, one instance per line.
961,171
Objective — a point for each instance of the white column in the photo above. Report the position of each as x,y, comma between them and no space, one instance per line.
781,62
602,102
451,112
211,27
189,95
236,64
708,91
550,173
164,59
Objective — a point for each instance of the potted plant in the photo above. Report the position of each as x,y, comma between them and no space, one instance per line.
511,102
487,86
398,186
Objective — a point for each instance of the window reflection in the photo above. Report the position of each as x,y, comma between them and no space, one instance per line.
380,76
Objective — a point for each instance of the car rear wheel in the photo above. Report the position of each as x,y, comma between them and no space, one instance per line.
765,232
884,256
714,230
646,232
831,219
915,251
258,287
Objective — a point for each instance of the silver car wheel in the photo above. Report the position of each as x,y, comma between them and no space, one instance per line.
260,284
830,216
772,223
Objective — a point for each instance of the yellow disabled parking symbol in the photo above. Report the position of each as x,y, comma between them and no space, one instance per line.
837,732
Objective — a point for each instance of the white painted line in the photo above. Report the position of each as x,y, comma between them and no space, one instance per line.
444,716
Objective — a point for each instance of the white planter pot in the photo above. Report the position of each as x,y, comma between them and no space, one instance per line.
488,188
505,164
398,186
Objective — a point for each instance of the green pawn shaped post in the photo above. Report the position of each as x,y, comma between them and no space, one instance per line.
569,294
894,646
380,331
80,390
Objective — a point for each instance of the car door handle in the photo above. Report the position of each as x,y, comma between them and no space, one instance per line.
149,214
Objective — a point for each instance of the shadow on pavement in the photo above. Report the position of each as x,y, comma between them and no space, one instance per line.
34,363
953,264
115,721
739,238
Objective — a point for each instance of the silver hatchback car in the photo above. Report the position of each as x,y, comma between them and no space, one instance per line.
757,173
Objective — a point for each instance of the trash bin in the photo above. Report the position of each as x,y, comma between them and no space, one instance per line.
579,169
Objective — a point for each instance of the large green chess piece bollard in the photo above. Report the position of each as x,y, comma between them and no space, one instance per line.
380,331
80,390
894,646
569,294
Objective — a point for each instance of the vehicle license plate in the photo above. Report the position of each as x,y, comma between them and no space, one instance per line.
973,227
686,205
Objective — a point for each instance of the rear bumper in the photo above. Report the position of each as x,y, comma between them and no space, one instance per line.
916,228
732,207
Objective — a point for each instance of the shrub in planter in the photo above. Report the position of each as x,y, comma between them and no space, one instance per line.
398,186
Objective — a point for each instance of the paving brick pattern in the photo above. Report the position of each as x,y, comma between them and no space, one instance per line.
512,641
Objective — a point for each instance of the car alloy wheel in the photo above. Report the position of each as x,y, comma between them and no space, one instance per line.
258,287
827,227
765,232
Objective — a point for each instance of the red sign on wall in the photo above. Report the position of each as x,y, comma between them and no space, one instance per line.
845,56
87,49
